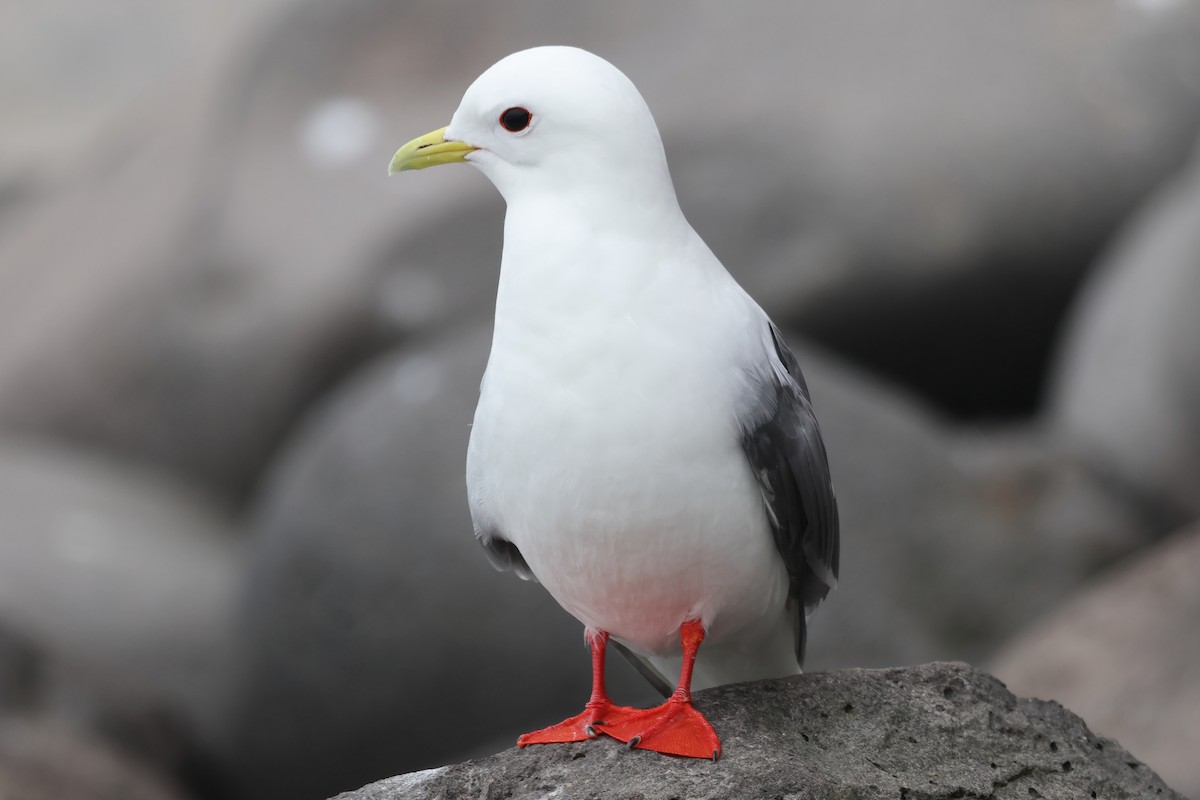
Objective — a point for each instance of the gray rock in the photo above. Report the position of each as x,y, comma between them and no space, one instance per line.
63,719
928,732
45,760
1128,385
1124,655
20,665
120,576
930,512
97,345
151,329
106,64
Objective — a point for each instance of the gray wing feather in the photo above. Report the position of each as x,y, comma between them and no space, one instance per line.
503,554
783,444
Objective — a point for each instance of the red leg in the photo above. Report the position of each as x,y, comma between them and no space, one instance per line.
599,709
675,727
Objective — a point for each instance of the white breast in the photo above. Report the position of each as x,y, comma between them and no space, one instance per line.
606,448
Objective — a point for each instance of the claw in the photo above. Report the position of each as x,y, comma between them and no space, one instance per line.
674,728
577,728
599,708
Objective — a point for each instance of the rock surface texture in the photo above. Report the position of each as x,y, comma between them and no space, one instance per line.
941,730
1124,654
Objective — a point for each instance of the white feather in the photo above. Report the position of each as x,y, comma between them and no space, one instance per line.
606,444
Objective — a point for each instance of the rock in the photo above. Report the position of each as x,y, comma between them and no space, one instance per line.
365,571
69,732
929,512
20,666
934,731
44,760
59,101
1123,654
96,344
122,578
239,250
149,330
1127,390
377,637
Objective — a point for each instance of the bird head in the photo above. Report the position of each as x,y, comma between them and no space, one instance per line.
555,120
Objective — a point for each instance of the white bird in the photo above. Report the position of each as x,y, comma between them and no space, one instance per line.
644,444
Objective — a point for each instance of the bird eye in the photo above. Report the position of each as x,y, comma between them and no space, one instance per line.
515,119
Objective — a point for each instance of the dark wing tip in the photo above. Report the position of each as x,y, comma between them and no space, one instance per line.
784,446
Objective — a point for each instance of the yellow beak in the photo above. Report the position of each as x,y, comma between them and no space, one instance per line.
429,151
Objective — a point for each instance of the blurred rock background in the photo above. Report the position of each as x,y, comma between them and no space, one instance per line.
237,365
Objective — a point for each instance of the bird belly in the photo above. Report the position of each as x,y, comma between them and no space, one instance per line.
633,504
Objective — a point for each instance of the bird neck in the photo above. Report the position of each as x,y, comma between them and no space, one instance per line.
648,212
561,265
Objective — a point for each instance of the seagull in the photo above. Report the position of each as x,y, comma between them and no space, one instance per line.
644,444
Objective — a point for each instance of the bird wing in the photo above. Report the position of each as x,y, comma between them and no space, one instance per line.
503,554
783,443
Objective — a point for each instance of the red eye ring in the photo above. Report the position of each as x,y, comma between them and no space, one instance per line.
515,119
